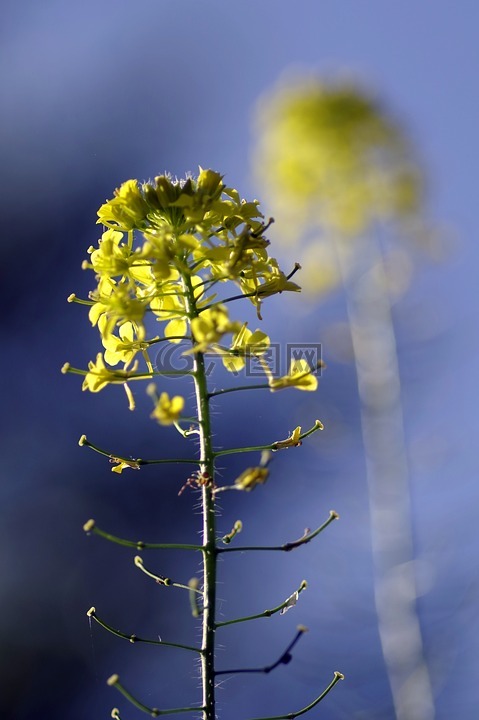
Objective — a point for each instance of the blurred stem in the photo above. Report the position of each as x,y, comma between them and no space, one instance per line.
375,355
283,659
209,520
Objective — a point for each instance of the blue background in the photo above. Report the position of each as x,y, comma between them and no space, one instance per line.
94,93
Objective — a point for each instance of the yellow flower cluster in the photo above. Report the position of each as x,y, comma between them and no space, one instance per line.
330,153
335,164
166,244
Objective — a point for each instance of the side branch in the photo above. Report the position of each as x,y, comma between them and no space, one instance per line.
224,391
278,445
288,603
160,579
134,638
306,538
290,716
114,681
91,527
132,462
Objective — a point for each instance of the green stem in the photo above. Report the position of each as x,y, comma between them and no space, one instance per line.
169,461
114,681
290,716
289,602
278,445
306,538
168,339
135,461
161,579
250,448
262,386
90,527
209,520
254,293
79,301
123,376
134,638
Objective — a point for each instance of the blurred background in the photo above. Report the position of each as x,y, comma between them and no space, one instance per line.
99,92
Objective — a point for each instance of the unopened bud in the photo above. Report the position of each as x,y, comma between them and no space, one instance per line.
151,390
89,525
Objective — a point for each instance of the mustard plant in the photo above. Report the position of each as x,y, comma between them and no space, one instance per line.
168,250
336,165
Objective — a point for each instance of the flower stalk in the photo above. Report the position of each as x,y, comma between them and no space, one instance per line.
209,549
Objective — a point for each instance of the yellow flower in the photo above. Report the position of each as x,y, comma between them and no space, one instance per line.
113,258
209,327
171,307
123,348
251,477
245,343
300,376
210,183
275,281
99,376
168,410
123,464
294,440
127,210
119,306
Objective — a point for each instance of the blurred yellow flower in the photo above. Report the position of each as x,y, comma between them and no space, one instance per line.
333,163
251,477
168,410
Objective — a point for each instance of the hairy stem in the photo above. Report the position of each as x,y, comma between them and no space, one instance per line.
209,521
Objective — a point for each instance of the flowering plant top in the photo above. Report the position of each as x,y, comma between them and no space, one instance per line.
163,242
